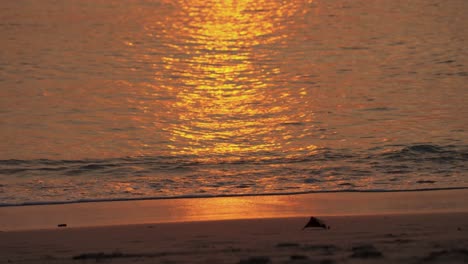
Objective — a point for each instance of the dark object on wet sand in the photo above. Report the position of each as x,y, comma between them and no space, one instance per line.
366,252
100,256
62,225
298,257
315,222
456,255
256,260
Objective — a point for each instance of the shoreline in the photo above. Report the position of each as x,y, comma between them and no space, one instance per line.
134,212
222,196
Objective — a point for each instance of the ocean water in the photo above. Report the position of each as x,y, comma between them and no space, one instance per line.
137,99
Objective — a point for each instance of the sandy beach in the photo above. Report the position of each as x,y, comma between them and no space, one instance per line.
397,233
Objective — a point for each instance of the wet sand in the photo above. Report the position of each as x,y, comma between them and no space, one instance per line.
387,236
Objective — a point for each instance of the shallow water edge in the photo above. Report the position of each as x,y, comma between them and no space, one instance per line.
207,196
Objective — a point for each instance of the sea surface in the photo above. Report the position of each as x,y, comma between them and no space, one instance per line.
138,99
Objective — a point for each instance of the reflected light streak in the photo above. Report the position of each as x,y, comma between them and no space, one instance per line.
227,99
240,208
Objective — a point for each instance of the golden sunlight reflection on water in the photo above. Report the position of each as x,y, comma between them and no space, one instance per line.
145,98
228,97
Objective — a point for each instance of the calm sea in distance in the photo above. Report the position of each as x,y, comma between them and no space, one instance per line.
132,99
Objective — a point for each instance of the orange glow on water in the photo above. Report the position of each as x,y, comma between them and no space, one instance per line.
224,111
193,97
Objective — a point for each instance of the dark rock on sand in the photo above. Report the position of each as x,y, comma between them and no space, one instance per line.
315,223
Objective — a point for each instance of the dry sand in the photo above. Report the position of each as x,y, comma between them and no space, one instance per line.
388,237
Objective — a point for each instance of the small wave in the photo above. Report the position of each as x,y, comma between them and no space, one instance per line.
432,152
416,153
322,170
423,149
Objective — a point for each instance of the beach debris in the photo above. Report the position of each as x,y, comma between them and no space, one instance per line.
298,257
287,244
256,260
399,241
100,255
448,256
366,251
62,225
314,222
325,249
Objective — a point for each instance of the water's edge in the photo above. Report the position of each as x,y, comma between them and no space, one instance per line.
223,196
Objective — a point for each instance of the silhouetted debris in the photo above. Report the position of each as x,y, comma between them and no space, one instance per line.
324,249
256,260
399,241
101,255
286,244
448,256
62,225
366,251
298,257
315,222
